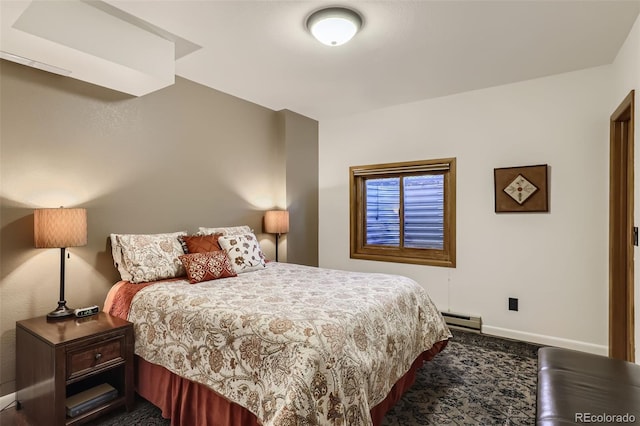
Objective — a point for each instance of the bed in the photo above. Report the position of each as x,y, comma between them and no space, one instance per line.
278,344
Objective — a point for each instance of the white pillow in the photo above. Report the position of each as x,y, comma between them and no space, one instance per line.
229,230
243,251
150,257
116,252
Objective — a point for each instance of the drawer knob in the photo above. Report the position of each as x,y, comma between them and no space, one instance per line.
98,356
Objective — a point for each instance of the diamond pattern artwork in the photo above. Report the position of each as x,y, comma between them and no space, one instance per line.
520,189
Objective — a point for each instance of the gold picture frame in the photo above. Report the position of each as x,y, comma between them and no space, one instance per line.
521,189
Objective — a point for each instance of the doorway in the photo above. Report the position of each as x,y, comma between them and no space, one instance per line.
621,232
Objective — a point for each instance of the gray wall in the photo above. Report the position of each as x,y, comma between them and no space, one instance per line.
301,155
182,157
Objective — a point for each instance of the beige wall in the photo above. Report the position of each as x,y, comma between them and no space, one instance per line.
555,263
182,157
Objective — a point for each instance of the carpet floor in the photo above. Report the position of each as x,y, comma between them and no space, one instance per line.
476,380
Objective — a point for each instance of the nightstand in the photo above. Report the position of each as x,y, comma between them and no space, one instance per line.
58,359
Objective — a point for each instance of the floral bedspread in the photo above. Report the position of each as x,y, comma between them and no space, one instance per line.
295,345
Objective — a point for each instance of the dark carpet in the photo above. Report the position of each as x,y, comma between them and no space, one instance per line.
476,380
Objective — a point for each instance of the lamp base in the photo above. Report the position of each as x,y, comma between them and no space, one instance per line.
61,311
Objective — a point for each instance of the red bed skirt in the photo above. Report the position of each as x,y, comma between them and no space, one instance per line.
189,403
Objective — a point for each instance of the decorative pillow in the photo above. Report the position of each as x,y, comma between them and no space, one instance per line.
207,266
200,243
152,257
230,230
244,252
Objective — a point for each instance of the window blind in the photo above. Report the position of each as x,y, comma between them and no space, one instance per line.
422,207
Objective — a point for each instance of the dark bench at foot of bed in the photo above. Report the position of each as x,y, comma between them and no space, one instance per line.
581,388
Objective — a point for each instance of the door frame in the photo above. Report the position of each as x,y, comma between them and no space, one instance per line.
621,236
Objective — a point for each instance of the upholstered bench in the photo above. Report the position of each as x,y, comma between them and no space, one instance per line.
578,388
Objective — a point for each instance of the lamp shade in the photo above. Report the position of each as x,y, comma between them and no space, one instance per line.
59,227
276,222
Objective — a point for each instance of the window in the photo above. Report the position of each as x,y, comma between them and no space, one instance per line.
404,212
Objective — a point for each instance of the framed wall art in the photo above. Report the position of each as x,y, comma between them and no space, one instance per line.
521,189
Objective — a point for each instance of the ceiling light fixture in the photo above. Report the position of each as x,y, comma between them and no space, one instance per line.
334,26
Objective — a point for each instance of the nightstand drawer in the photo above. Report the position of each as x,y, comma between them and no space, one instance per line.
86,359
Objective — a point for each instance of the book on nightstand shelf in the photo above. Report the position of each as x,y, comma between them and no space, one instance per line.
86,400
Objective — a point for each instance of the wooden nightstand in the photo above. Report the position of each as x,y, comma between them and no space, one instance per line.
57,359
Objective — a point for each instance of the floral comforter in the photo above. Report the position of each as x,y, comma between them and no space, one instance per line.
292,344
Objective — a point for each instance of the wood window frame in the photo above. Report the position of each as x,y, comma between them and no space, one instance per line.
360,250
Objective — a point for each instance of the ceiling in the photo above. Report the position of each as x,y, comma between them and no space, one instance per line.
407,50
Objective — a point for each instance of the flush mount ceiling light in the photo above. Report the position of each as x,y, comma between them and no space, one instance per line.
334,26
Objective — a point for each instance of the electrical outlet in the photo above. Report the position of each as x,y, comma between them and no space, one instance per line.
513,304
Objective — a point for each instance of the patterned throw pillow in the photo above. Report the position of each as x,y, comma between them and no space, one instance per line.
230,230
207,266
152,257
244,252
200,243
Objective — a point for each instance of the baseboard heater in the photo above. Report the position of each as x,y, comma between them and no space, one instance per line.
463,322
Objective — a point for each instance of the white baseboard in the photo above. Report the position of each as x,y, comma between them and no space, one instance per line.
7,399
546,340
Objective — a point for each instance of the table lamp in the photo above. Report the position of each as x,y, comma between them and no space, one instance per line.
276,222
60,228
